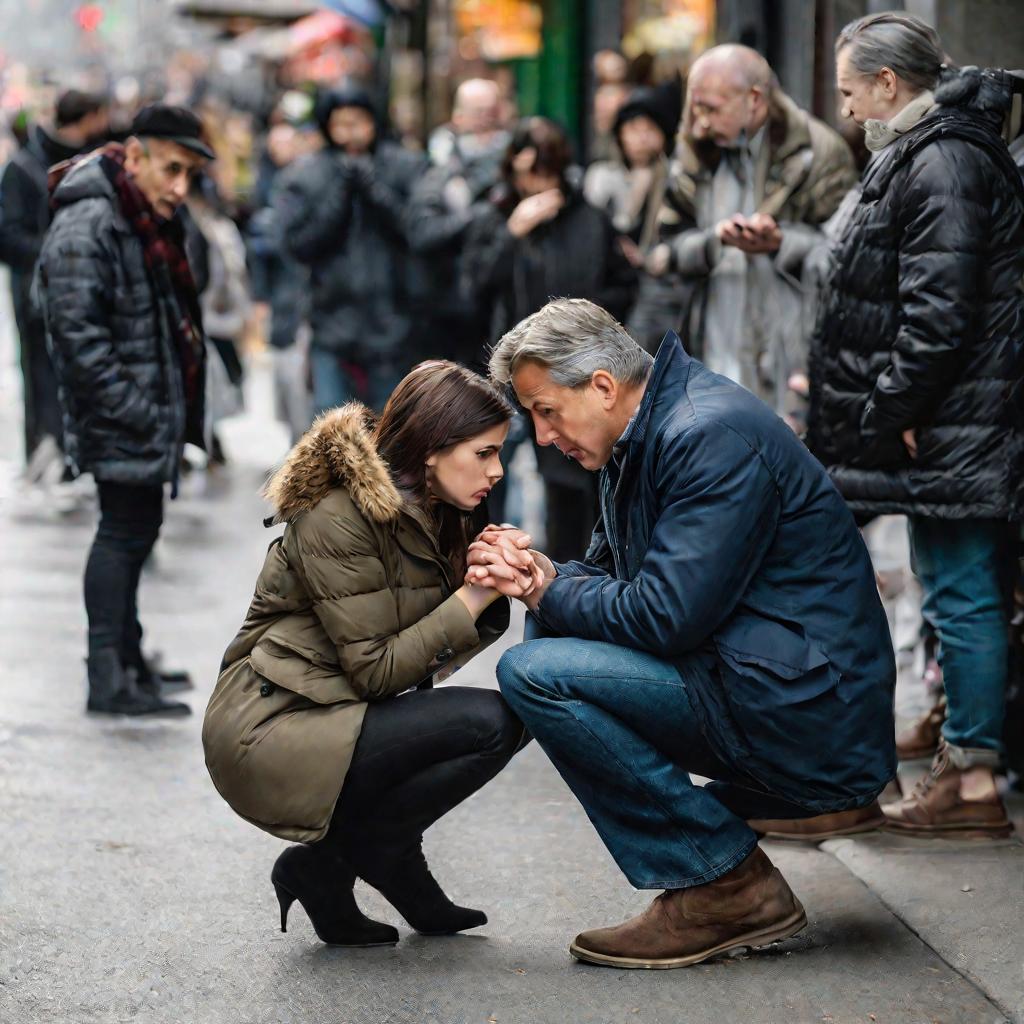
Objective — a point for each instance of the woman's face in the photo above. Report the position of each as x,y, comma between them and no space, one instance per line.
527,180
642,141
463,474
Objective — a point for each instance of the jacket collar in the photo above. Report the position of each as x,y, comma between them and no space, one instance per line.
338,450
664,386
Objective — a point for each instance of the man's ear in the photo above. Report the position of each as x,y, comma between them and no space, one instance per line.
133,152
606,386
887,80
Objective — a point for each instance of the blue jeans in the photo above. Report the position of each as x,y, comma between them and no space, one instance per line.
965,567
619,726
337,381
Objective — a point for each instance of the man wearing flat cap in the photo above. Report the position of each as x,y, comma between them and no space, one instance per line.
123,326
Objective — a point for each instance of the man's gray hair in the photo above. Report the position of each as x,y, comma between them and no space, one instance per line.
907,46
572,338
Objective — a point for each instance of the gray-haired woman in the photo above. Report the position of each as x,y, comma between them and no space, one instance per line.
915,373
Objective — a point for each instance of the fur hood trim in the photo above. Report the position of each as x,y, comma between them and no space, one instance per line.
337,450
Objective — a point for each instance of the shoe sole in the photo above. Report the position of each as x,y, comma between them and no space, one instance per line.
871,825
1000,831
752,940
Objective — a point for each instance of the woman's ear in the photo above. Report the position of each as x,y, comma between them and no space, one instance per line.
431,462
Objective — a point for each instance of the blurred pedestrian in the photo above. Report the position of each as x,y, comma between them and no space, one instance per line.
280,288
630,187
359,601
125,329
79,121
915,399
752,179
537,238
342,212
466,159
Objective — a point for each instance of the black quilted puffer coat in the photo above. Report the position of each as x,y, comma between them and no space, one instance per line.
922,325
108,324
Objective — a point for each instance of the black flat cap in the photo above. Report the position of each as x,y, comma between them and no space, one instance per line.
175,124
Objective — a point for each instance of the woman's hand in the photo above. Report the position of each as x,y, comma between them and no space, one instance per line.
534,210
501,558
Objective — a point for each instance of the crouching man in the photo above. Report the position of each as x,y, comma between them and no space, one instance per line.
724,622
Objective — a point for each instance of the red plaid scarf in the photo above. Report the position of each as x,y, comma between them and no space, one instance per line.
163,248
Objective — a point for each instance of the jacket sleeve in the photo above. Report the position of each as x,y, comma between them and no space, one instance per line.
19,220
430,224
944,226
487,257
312,218
345,578
719,508
77,281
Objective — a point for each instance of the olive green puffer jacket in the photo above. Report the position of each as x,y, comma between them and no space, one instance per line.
354,604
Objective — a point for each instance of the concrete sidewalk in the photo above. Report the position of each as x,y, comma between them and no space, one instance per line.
130,892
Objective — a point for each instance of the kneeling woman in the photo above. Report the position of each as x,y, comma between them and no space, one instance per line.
309,733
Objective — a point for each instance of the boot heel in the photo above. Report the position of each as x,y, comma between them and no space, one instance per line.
285,899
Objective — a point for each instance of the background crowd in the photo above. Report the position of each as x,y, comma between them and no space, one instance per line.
328,236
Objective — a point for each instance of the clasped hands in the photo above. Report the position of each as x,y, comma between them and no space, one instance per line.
501,559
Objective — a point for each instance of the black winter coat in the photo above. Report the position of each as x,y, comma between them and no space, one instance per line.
923,327
345,219
108,328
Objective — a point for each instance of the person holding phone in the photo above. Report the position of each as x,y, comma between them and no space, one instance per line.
324,727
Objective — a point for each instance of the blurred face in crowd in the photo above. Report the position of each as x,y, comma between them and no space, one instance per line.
642,141
463,474
477,108
352,129
582,423
529,181
608,99
869,97
282,144
91,129
163,171
722,109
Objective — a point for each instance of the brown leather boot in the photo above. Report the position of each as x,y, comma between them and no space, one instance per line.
935,807
921,739
751,906
821,826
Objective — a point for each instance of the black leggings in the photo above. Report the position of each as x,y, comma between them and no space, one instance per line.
418,756
130,520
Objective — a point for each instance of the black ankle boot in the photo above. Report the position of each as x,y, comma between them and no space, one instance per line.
414,892
112,691
323,885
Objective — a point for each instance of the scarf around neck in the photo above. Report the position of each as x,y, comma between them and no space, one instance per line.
879,134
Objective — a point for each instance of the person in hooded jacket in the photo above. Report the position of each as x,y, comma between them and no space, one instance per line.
124,328
539,237
80,119
916,377
325,728
341,212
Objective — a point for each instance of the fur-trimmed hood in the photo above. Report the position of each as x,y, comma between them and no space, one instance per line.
338,450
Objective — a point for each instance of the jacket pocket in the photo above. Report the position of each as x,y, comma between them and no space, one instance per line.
773,664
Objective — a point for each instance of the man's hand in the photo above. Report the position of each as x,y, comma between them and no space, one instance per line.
534,210
755,235
501,558
658,260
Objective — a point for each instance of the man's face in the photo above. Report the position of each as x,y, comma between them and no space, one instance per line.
577,421
479,113
96,126
352,129
721,111
163,171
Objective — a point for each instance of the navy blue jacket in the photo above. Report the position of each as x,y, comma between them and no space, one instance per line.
724,548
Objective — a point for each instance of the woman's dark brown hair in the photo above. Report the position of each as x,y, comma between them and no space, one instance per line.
437,405
554,155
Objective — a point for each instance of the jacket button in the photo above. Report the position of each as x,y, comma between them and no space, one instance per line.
266,689
445,655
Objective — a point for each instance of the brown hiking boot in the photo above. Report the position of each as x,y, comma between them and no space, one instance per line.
751,906
935,807
821,826
920,740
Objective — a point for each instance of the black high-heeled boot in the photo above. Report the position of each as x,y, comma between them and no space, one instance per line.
323,885
414,892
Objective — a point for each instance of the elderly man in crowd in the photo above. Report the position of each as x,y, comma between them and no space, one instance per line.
724,621
753,178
